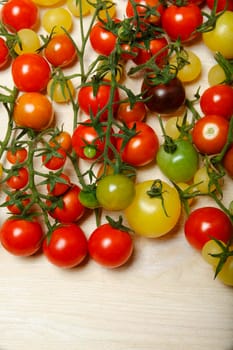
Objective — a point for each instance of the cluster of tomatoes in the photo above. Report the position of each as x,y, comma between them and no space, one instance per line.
113,134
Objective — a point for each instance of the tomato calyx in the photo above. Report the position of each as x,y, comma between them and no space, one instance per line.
118,224
156,191
212,18
227,66
223,256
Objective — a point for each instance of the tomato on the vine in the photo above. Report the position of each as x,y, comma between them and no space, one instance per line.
57,19
60,51
102,40
210,133
141,149
18,14
19,179
218,99
221,5
17,155
178,161
96,101
66,246
30,72
59,186
228,161
142,8
109,246
163,98
67,208
17,201
54,159
64,140
29,41
155,209
220,38
88,143
206,223
21,237
127,113
181,22
4,52
115,192
33,110
157,48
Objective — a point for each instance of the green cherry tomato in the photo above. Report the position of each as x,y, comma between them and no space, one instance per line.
153,216
226,273
115,192
220,39
88,199
180,163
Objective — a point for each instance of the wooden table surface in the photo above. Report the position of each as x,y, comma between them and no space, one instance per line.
164,298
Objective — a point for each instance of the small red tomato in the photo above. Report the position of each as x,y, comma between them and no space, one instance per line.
142,148
18,155
210,134
20,202
66,247
4,52
19,14
228,161
30,72
21,237
71,209
218,99
207,223
57,188
127,113
60,51
110,247
56,161
19,180
102,40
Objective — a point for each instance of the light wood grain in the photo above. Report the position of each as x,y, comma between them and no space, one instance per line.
164,298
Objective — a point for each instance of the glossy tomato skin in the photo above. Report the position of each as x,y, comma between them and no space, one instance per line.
115,192
30,72
142,7
110,247
221,5
207,223
91,103
33,110
102,40
71,209
128,114
18,155
21,237
228,161
60,51
19,14
210,134
86,137
142,148
55,162
181,22
19,180
66,247
4,52
146,215
60,187
164,98
180,165
220,39
156,47
218,99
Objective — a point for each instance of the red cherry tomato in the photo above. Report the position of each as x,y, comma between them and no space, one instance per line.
102,40
71,209
4,52
181,22
21,237
222,5
128,114
157,47
18,155
142,148
66,247
19,180
19,14
22,201
228,161
206,223
110,247
88,144
59,186
60,51
142,9
218,99
56,161
92,102
210,134
30,72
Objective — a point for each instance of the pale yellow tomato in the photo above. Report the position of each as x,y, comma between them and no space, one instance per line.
59,92
46,3
76,9
216,75
110,9
29,41
56,19
171,128
191,70
201,180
